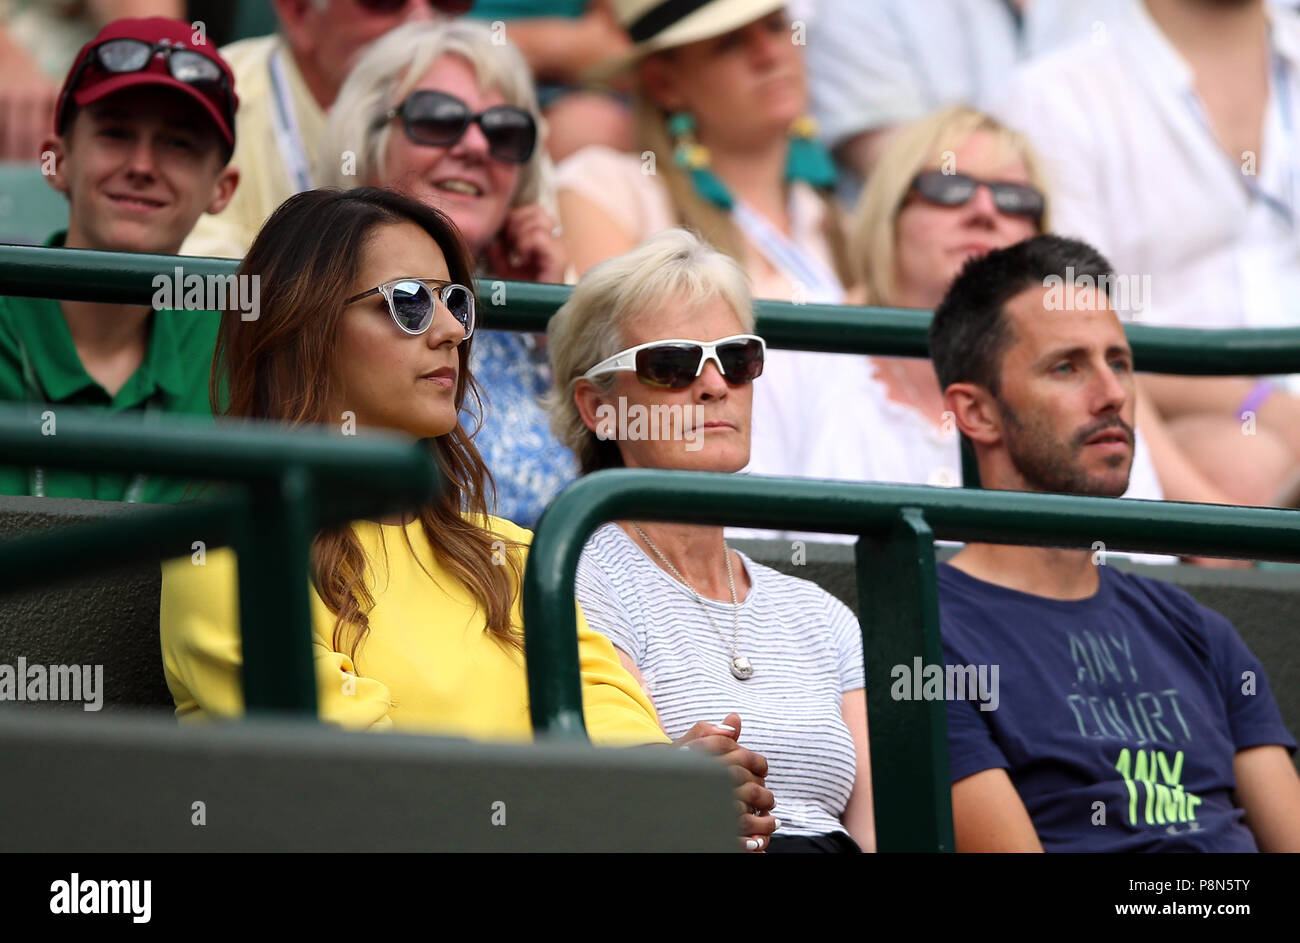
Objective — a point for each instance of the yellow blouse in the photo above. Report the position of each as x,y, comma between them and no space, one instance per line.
426,665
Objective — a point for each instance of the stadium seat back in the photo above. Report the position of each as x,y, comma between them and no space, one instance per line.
108,620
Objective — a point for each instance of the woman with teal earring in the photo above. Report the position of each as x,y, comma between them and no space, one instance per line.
726,148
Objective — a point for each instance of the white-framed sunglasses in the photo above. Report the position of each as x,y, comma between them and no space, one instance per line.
411,302
676,362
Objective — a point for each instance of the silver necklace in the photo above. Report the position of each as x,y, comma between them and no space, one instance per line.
741,666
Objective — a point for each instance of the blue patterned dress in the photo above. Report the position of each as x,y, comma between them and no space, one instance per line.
529,465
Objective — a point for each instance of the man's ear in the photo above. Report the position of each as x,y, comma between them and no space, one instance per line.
54,153
589,401
298,19
975,412
223,188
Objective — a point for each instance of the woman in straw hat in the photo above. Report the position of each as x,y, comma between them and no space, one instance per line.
726,148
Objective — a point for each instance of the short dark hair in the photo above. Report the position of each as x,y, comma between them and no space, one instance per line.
970,332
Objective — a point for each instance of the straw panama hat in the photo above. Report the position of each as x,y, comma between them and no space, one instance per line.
662,24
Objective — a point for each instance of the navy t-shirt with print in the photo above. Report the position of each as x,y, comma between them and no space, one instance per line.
1136,698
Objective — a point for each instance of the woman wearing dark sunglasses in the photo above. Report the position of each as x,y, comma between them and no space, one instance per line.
655,363
367,320
446,115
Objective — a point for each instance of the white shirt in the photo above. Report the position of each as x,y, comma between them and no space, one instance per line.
875,63
1136,172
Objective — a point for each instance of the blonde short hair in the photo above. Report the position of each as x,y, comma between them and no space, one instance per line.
914,148
388,71
669,267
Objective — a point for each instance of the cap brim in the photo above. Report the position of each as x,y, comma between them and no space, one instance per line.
117,83
711,20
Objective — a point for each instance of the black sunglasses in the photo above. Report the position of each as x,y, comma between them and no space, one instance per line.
410,302
134,55
675,364
1017,199
440,120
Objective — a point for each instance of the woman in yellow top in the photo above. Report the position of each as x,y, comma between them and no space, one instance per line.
366,318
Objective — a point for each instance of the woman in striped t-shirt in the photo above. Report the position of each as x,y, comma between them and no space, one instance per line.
653,357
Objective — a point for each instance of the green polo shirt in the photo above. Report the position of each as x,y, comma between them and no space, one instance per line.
173,378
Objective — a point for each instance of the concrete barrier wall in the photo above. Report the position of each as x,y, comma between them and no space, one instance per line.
109,619
92,784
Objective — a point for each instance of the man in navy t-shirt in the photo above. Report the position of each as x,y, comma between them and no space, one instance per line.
1128,716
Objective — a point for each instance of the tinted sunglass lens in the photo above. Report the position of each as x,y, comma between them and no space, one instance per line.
742,361
1020,200
413,306
435,119
951,189
671,366
460,303
382,6
511,133
194,68
124,55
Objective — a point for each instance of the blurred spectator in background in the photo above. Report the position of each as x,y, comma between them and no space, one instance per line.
290,80
39,40
443,113
876,65
142,148
564,41
1173,145
946,189
705,629
725,147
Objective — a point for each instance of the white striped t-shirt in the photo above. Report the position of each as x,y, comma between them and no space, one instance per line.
805,647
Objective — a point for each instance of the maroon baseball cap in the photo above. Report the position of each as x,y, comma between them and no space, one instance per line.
89,80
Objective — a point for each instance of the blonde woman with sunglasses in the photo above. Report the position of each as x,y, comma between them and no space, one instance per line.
655,361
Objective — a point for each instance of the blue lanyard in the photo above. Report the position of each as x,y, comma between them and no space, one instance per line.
793,261
287,135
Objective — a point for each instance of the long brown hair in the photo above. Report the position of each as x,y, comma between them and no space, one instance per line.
712,224
280,367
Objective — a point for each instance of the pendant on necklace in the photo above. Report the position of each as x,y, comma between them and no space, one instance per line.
741,668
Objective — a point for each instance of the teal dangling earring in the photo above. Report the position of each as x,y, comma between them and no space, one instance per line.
808,159
693,158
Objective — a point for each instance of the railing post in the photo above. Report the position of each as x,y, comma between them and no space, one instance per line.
899,614
274,605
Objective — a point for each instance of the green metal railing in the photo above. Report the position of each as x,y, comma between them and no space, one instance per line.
286,485
898,605
276,505
87,275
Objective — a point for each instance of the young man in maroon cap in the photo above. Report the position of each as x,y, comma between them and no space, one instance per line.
144,133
